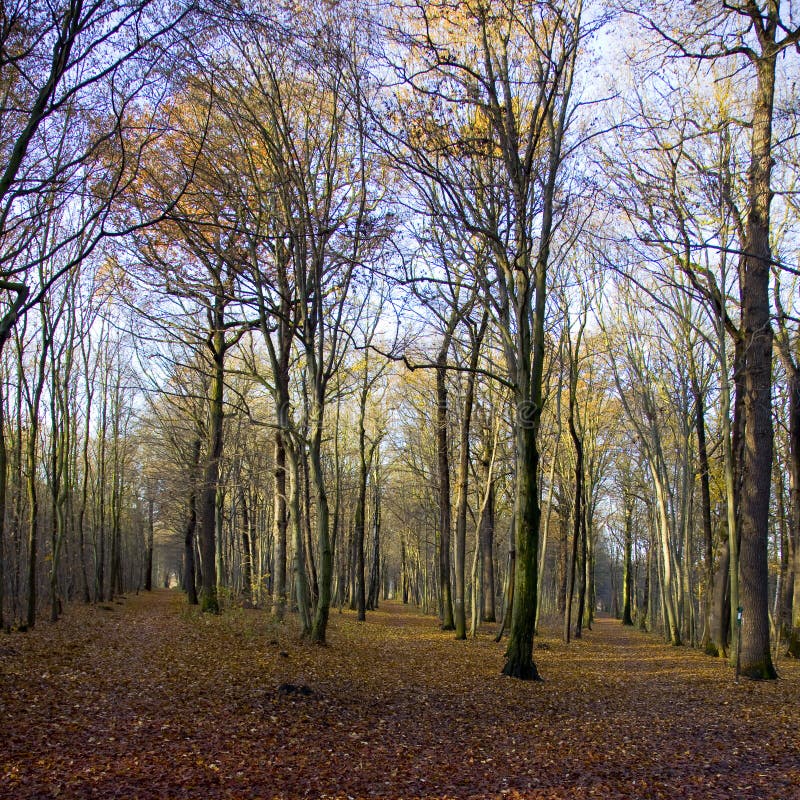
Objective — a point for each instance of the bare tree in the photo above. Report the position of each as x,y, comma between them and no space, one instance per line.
487,127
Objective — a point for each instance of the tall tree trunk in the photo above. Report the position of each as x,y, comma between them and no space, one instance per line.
519,654
224,543
375,569
781,613
359,522
646,609
207,511
462,482
705,507
89,389
793,584
563,561
549,506
720,612
789,615
627,564
247,546
320,625
7,323
585,569
307,529
301,590
756,660
280,524
486,532
508,589
31,465
666,560
3,495
33,521
336,522
443,462
100,550
404,570
572,565
190,583
148,562
577,506
115,578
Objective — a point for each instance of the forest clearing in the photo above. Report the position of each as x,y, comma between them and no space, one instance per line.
146,698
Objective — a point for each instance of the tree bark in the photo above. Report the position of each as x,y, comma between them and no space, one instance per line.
705,507
247,545
359,521
443,463
210,482
463,484
320,625
375,569
280,523
302,595
756,659
627,573
487,553
190,583
519,654
148,559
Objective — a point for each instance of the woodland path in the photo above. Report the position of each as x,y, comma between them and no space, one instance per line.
146,699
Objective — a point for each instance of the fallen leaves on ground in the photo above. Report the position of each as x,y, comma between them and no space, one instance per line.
154,700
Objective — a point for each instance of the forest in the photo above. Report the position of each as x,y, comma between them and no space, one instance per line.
484,313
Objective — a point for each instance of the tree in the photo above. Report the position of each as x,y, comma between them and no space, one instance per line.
633,355
750,35
368,453
54,61
486,127
317,193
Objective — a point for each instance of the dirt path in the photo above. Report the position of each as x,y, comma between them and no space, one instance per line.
152,700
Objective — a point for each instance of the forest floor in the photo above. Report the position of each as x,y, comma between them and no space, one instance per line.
147,698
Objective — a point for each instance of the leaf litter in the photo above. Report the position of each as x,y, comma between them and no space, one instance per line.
159,701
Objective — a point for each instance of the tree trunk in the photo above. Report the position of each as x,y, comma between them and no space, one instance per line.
627,564
320,625
33,521
100,551
210,483
646,610
3,495
148,561
463,486
705,507
313,584
519,654
247,545
585,567
791,601
443,461
280,524
549,506
577,514
33,498
189,566
756,659
487,554
359,521
563,562
509,586
299,564
666,560
375,570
